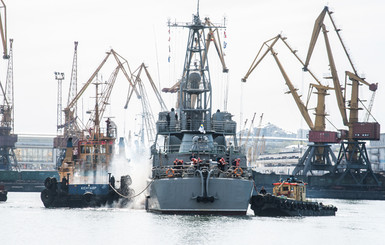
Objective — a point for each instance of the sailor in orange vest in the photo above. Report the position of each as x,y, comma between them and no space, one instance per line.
221,164
236,162
180,163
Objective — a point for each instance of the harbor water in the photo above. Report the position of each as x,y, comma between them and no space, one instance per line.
24,220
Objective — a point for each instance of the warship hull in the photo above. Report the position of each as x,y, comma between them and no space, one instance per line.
224,196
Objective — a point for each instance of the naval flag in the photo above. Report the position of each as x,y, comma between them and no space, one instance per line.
202,129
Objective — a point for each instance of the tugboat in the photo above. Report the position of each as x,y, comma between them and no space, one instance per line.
83,166
289,199
3,194
85,181
195,167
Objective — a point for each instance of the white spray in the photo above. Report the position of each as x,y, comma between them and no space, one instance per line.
138,166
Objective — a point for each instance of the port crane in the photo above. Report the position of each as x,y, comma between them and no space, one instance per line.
73,126
254,149
352,159
148,121
249,131
7,137
96,116
319,155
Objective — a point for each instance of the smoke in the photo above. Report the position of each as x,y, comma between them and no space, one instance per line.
136,164
97,176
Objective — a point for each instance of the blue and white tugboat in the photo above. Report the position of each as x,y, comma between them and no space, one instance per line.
197,165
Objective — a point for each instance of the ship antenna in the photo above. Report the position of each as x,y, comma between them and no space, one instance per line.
198,8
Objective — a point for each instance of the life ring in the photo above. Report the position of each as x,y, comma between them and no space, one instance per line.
238,171
170,172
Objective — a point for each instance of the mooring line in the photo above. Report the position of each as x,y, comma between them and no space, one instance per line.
116,191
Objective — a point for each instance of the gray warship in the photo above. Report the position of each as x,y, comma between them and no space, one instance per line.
197,165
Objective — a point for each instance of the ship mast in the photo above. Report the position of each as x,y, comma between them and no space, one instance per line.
195,99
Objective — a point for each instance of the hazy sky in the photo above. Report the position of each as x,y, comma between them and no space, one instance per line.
44,32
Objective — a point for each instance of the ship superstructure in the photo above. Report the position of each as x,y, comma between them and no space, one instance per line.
197,164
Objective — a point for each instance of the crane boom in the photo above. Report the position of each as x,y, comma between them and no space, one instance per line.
337,86
116,55
217,44
73,102
248,133
256,140
3,30
74,76
316,31
156,91
302,108
255,61
97,115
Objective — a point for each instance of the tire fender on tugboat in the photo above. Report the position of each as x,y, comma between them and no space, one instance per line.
47,197
88,197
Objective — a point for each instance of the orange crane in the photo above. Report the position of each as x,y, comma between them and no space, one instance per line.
318,155
353,151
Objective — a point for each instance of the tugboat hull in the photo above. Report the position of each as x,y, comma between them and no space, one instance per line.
224,196
59,194
273,206
3,196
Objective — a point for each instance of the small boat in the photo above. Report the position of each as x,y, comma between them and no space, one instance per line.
3,194
82,175
84,178
289,199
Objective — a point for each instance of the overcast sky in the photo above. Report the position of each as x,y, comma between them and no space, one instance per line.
44,32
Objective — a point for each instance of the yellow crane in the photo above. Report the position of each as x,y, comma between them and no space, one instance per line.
353,151
319,155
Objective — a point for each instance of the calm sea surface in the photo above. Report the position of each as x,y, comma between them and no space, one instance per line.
24,220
